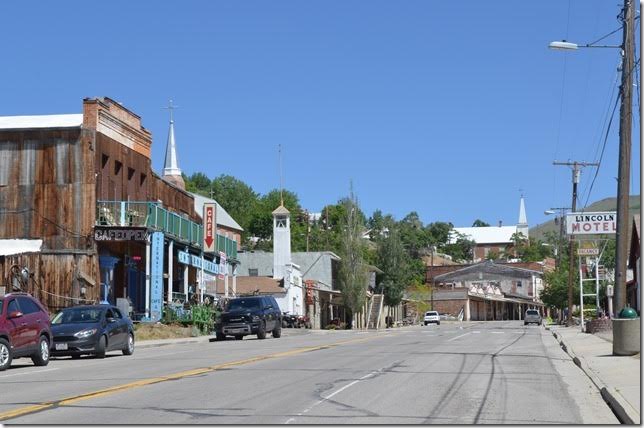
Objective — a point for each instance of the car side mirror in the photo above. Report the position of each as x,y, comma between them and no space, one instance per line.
15,314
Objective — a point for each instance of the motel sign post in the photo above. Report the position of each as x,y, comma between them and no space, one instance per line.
595,223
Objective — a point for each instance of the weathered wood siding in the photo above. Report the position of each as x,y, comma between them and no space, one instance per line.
57,278
47,187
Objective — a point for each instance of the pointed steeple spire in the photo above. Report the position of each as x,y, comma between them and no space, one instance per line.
171,171
522,226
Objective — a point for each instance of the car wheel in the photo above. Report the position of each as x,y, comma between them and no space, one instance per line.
100,347
438,323
426,323
5,355
525,323
284,324
129,348
41,357
239,337
261,332
277,331
76,356
221,336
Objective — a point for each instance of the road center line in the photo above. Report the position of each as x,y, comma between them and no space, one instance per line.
454,338
21,411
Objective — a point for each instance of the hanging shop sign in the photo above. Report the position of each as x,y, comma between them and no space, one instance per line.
209,227
156,276
223,268
587,251
601,223
124,234
198,262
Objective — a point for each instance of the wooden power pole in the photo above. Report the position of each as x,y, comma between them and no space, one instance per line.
576,172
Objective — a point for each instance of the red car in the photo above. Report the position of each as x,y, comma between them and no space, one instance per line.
24,330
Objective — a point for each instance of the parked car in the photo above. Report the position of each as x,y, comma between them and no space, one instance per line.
24,330
532,316
250,315
432,317
92,329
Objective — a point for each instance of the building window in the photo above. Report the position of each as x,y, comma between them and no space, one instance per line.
252,272
130,173
518,283
104,160
117,167
142,180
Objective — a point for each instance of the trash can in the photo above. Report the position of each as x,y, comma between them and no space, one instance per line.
626,333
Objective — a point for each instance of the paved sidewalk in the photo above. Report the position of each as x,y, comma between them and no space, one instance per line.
617,377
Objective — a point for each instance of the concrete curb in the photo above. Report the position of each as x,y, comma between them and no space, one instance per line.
157,343
620,407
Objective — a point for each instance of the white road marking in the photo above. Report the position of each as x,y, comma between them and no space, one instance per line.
497,332
28,373
476,332
331,395
454,338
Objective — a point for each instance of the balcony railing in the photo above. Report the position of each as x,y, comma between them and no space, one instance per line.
153,216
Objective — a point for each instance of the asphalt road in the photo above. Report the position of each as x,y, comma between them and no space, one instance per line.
455,373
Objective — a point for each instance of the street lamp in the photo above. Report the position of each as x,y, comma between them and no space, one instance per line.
568,46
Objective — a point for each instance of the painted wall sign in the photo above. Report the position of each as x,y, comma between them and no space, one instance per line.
209,227
156,276
196,261
603,223
120,234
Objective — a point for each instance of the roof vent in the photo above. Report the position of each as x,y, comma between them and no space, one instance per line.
500,223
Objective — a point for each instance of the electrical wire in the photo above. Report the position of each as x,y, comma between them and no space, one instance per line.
606,137
57,225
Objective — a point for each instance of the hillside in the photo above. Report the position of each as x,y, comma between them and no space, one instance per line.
608,204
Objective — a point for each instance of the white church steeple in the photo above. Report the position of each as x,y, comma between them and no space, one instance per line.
522,226
171,171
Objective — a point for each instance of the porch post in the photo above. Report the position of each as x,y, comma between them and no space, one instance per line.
147,276
467,309
170,269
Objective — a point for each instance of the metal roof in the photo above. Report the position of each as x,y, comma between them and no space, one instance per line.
41,121
486,235
223,218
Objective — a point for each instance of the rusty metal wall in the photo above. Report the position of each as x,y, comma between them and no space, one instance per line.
56,279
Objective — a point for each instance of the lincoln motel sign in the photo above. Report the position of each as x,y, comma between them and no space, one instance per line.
603,223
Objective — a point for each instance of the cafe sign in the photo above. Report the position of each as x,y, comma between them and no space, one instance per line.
198,262
600,223
124,234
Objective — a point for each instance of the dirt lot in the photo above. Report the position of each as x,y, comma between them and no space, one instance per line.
145,331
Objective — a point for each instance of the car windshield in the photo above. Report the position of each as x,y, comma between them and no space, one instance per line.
243,304
77,315
431,313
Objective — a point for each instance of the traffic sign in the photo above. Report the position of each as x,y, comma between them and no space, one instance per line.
209,227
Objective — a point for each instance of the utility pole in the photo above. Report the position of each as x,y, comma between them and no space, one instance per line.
576,172
624,169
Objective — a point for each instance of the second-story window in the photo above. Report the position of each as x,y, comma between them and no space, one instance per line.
117,167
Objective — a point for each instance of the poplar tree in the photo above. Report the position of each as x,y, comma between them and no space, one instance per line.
352,274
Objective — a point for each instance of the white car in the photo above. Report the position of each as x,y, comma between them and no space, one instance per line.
432,317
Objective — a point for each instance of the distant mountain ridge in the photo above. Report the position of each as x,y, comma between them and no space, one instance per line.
608,204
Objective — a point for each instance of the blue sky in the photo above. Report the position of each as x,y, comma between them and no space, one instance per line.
440,107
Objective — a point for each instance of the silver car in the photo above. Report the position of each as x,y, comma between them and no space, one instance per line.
532,316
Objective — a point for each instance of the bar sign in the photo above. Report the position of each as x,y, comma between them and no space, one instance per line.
209,227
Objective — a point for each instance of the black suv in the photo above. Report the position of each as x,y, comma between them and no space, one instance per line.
250,315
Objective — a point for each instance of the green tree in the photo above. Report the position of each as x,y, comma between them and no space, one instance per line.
480,223
352,274
237,198
198,182
392,259
461,249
